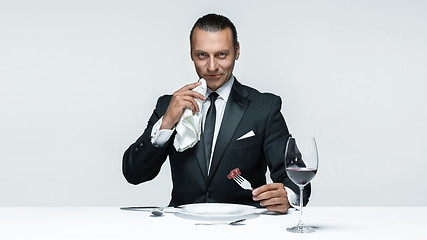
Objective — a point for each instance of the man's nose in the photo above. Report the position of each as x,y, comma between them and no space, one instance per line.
212,65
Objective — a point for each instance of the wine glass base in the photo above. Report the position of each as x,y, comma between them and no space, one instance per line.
301,229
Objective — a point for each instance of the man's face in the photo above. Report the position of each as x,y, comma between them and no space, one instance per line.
214,56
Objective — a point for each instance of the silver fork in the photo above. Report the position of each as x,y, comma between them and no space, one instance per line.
245,184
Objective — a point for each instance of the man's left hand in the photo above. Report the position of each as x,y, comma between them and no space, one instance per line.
273,196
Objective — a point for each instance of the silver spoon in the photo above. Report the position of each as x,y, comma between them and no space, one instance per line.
157,212
237,222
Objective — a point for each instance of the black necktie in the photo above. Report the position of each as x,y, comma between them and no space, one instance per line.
208,132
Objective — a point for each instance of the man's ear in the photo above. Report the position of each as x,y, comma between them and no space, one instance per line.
191,54
237,51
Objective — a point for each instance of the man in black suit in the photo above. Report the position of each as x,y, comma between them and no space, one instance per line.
249,132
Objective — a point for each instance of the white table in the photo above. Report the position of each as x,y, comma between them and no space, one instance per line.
112,223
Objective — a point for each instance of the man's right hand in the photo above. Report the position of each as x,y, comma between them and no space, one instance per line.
181,100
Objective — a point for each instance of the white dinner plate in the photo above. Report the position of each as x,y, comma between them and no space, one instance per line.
217,211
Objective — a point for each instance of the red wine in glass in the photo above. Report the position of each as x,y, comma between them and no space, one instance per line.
301,161
301,176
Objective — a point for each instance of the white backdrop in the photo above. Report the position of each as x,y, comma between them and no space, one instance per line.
79,80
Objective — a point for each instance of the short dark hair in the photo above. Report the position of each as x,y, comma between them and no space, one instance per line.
213,23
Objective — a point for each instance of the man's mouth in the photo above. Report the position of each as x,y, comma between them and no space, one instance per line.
214,76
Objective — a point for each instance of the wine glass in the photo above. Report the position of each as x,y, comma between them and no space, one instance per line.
301,161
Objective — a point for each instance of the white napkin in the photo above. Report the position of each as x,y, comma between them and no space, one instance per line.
189,127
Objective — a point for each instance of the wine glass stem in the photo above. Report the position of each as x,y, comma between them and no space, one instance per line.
301,203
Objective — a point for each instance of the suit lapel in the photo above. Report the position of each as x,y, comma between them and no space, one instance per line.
236,107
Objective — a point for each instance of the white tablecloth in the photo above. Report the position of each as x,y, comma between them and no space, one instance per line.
112,223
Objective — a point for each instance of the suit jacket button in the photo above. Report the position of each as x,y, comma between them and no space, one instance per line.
208,194
141,145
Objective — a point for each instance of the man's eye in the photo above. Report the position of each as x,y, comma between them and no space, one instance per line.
202,55
222,55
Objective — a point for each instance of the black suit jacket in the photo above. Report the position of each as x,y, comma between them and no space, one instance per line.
246,110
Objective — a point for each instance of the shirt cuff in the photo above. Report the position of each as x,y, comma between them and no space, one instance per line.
293,198
159,137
